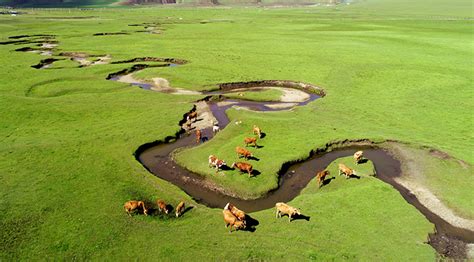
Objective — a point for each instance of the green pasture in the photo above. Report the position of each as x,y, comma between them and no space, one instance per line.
68,135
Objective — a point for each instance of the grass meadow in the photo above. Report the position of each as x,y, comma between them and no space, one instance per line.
391,70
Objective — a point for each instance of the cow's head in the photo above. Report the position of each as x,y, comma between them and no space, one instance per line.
222,163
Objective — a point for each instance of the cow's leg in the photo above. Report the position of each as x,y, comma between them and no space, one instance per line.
277,213
289,217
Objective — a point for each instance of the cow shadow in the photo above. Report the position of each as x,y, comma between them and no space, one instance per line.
327,181
259,146
226,168
363,161
186,210
254,158
262,134
354,176
250,223
204,139
255,173
300,217
170,208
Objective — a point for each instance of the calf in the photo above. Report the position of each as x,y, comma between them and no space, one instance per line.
250,141
198,136
243,167
239,214
257,131
284,209
231,220
321,176
179,209
358,156
242,152
162,206
133,205
215,162
343,169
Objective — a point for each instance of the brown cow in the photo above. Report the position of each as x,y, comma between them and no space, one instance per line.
358,156
239,214
343,169
198,136
250,141
180,209
215,162
257,131
231,220
133,205
243,167
242,152
162,206
321,176
191,116
282,208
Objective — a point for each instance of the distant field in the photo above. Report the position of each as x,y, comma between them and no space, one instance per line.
391,70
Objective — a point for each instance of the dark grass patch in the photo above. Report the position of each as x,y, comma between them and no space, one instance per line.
15,232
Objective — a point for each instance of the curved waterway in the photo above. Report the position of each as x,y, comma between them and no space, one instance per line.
156,157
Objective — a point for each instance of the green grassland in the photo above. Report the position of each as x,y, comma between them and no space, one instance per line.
68,135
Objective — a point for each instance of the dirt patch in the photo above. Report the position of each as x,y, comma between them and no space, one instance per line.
84,58
411,178
448,246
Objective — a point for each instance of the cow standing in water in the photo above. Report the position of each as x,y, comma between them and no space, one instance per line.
198,136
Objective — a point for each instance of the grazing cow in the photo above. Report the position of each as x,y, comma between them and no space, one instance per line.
257,131
162,206
215,162
180,209
358,156
250,141
321,176
231,220
133,205
343,169
284,209
191,116
243,167
215,128
242,152
239,214
198,136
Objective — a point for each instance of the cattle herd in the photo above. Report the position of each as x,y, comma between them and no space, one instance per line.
243,167
235,218
135,206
